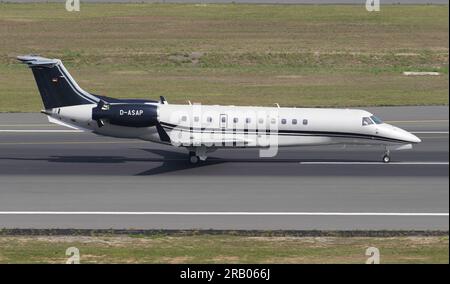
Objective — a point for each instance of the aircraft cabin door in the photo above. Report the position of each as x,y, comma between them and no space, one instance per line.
223,121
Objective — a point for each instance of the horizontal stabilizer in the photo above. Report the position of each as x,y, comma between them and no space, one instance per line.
65,124
34,60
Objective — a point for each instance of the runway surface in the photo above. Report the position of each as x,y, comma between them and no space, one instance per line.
53,179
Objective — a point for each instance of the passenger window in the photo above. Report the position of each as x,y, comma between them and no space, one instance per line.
209,119
366,121
183,118
273,121
235,120
196,118
224,119
248,120
305,122
294,121
283,121
261,121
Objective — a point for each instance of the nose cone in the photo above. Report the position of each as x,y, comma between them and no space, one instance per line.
413,138
400,134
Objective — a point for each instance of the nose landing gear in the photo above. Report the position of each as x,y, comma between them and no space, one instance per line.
387,156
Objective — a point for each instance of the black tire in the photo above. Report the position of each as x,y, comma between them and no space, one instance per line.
193,159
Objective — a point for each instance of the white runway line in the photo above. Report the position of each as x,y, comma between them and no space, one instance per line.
373,163
418,121
38,131
77,131
194,213
429,132
32,125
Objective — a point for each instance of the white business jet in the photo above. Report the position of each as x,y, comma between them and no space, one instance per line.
202,129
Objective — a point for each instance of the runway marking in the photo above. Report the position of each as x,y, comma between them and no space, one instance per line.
434,137
224,213
78,131
416,121
21,125
373,163
73,142
39,131
429,132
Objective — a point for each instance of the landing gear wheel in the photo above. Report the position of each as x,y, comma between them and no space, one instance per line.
193,159
386,158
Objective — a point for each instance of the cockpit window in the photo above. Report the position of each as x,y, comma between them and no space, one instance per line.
366,121
376,119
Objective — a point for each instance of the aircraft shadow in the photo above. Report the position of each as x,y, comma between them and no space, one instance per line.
174,161
165,161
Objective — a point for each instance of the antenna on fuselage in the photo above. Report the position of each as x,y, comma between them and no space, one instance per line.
163,100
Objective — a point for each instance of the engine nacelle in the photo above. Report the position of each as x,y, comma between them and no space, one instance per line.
131,115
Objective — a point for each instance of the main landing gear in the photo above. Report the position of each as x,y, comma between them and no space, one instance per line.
387,156
199,154
193,159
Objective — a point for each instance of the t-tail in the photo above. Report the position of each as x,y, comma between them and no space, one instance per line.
56,86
